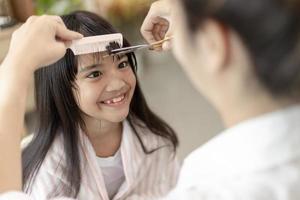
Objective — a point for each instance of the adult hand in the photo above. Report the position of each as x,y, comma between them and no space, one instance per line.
157,24
40,41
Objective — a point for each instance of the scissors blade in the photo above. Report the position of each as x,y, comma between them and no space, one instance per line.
128,49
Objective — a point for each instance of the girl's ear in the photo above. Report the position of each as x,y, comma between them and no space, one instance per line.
212,43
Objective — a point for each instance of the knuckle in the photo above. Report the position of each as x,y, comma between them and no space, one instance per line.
155,4
44,18
58,18
31,18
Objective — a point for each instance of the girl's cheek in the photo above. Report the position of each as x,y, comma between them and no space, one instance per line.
131,77
90,94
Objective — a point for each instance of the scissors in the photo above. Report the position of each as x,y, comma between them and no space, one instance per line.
130,49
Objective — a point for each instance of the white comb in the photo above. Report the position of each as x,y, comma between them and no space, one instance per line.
95,44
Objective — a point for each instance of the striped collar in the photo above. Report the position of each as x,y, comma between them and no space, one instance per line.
132,157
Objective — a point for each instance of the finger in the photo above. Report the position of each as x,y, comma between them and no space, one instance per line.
163,31
58,20
156,20
65,34
61,23
150,26
147,26
167,45
164,28
156,47
147,29
164,22
149,37
31,19
156,32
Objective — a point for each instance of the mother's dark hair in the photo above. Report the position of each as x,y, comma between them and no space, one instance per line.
270,31
58,112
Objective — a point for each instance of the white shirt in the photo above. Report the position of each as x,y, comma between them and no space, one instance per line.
112,172
258,159
147,176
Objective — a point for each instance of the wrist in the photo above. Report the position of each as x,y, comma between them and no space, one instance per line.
14,76
17,66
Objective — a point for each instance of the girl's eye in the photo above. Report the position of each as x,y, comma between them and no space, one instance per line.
94,74
124,64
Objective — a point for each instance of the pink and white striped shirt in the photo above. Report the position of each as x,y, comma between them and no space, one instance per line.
147,176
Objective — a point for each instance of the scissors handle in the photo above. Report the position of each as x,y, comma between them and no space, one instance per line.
160,42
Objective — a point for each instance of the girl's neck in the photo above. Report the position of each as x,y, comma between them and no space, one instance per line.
104,136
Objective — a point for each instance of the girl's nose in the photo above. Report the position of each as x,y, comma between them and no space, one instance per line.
115,85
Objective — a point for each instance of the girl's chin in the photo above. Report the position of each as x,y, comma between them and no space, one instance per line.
120,118
115,118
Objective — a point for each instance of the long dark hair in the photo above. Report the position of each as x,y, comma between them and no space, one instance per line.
270,31
58,112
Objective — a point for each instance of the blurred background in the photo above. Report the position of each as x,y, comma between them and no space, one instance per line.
166,87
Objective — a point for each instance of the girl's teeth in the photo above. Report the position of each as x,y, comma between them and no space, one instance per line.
115,100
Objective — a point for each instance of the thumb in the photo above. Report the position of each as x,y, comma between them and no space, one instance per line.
167,45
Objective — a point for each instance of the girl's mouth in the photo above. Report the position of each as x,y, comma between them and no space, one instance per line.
116,101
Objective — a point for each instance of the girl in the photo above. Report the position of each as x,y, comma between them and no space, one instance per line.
96,136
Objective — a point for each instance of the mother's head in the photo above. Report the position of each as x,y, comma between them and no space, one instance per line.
241,54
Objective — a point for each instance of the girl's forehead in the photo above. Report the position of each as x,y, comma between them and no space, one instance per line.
97,58
91,58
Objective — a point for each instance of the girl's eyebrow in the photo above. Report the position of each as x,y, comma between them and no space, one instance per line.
89,67
120,57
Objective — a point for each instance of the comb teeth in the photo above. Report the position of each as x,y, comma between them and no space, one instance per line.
95,44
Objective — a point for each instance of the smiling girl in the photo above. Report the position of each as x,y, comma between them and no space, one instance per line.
96,136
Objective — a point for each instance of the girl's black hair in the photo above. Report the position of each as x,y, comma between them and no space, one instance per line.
270,31
59,114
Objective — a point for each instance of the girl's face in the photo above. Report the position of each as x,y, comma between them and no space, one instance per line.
104,87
